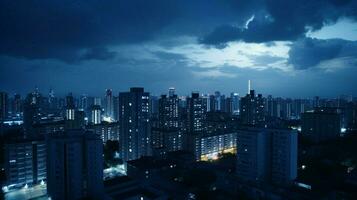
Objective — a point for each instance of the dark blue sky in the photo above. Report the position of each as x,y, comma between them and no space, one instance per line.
296,48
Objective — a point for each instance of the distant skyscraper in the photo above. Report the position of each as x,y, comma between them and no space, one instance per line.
211,104
316,102
252,109
4,105
109,104
31,113
217,101
235,103
116,108
171,91
135,128
154,105
51,96
98,101
74,165
70,107
83,102
96,114
17,106
205,99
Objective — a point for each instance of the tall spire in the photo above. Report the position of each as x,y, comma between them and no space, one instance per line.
249,86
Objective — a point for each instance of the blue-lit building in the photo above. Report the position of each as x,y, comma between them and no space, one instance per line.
32,113
235,103
109,104
70,107
96,114
107,131
25,162
134,119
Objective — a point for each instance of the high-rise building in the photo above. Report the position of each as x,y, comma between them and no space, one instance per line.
321,124
4,105
217,101
70,107
205,99
109,104
351,115
96,114
284,155
74,165
31,114
134,121
211,103
235,103
52,101
267,155
97,101
154,105
25,162
116,108
167,133
171,91
83,102
196,113
17,107
168,112
252,109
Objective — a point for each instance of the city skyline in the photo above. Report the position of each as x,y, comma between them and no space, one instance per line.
310,50
52,92
178,99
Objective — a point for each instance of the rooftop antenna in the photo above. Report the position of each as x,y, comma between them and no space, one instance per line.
249,86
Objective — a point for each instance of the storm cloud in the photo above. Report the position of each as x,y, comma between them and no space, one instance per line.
195,45
281,20
307,52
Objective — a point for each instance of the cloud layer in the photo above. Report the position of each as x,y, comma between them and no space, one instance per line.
194,45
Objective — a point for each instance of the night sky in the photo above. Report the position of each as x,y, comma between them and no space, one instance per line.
289,48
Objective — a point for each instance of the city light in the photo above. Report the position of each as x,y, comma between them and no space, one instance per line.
107,119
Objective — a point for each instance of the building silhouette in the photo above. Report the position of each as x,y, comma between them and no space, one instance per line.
134,119
74,165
